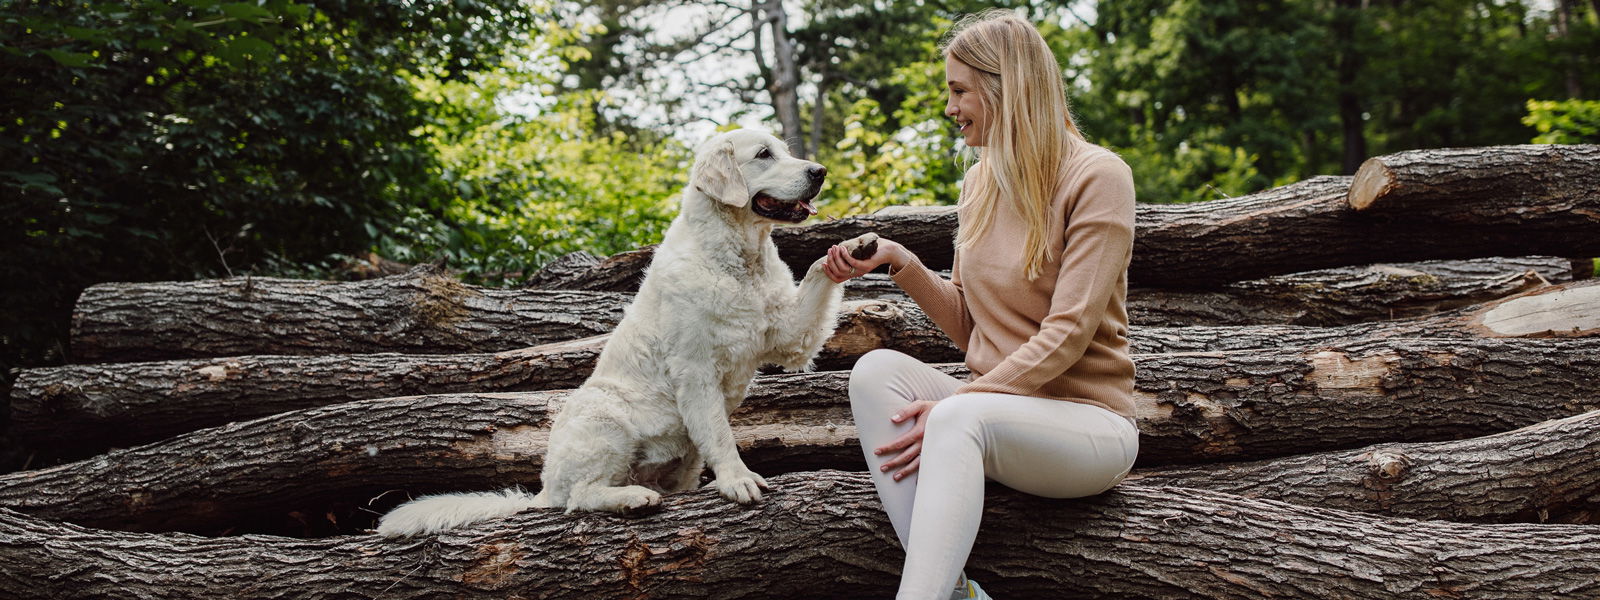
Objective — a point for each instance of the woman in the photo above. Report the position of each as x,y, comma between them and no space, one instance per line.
1036,299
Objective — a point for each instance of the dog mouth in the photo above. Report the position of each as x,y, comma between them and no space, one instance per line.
779,209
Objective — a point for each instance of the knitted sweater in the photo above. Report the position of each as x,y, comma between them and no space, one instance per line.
1065,334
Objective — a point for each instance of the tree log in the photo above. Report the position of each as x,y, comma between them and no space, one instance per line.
84,408
1513,185
1345,296
1198,407
827,536
126,322
422,311
1540,473
1567,310
1324,298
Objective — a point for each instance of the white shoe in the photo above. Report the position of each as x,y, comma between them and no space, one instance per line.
967,589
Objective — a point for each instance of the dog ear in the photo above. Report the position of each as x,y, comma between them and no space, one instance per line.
718,177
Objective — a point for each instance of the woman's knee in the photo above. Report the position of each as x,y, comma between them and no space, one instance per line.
958,413
873,371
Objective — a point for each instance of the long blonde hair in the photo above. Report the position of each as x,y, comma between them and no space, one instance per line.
1031,133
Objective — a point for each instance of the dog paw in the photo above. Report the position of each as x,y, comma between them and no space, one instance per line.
743,488
861,247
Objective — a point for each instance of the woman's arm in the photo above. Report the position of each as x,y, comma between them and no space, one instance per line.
941,299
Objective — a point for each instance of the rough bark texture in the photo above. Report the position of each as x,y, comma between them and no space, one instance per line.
81,408
1324,298
421,311
823,535
1199,407
1531,185
74,410
1567,310
621,272
1541,473
1344,296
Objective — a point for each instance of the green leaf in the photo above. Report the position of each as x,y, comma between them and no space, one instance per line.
245,11
76,60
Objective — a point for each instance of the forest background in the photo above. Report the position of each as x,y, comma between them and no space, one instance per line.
147,140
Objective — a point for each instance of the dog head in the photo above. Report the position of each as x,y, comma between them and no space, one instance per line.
743,168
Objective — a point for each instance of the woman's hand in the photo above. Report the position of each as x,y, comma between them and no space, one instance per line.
909,444
840,266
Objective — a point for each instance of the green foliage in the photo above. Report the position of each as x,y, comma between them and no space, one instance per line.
152,139
1564,122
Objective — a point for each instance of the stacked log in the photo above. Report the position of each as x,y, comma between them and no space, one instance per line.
1314,423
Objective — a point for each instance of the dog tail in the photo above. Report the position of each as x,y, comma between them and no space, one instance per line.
432,514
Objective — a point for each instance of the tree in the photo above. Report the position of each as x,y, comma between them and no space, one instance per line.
153,139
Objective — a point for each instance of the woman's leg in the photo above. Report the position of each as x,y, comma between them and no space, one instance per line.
883,382
1050,448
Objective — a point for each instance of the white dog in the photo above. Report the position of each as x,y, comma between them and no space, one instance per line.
715,304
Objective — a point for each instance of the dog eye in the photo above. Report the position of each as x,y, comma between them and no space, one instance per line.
764,153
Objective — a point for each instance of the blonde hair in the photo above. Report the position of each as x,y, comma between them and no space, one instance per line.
1031,133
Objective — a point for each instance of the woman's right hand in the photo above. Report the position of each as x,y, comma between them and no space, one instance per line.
840,266
908,447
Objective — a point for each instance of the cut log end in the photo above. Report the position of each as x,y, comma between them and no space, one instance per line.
1372,181
1566,312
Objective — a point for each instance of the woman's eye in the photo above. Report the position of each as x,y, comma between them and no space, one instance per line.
763,153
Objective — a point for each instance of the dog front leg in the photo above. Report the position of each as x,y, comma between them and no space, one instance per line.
816,310
701,405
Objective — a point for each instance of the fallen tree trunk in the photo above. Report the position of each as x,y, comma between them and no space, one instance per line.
1324,298
1201,407
827,531
422,311
1266,233
1514,185
81,408
1542,473
1345,296
1566,310
182,325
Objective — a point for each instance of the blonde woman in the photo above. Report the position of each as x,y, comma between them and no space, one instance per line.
1036,299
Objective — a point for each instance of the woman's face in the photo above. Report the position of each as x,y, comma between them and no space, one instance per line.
965,104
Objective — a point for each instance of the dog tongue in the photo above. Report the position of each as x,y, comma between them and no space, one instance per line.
809,208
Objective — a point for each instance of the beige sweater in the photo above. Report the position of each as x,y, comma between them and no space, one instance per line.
1065,334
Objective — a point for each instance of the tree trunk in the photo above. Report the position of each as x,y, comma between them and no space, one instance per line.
83,408
1202,246
1567,310
230,317
1334,297
419,312
1197,407
826,533
1554,188
620,272
1541,473
783,84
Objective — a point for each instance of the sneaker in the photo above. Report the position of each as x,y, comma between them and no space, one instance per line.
967,589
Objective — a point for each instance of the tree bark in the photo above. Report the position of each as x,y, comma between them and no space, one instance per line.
1541,473
1198,407
830,538
620,272
1202,246
1567,310
1344,296
422,311
1532,186
231,317
84,408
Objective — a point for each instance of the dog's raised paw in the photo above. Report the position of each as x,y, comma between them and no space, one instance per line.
862,247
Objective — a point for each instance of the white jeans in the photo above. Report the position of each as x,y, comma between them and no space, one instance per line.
1050,448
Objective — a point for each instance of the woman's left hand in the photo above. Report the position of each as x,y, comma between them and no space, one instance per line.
909,444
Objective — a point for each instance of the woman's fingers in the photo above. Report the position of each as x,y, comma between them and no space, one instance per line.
910,469
912,452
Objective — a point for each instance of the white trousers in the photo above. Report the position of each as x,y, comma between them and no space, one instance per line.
1050,448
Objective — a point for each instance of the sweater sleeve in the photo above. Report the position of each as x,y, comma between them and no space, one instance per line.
941,299
1099,244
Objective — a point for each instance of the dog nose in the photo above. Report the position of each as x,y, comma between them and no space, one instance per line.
817,172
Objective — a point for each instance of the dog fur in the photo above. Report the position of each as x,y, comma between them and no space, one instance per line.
715,304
